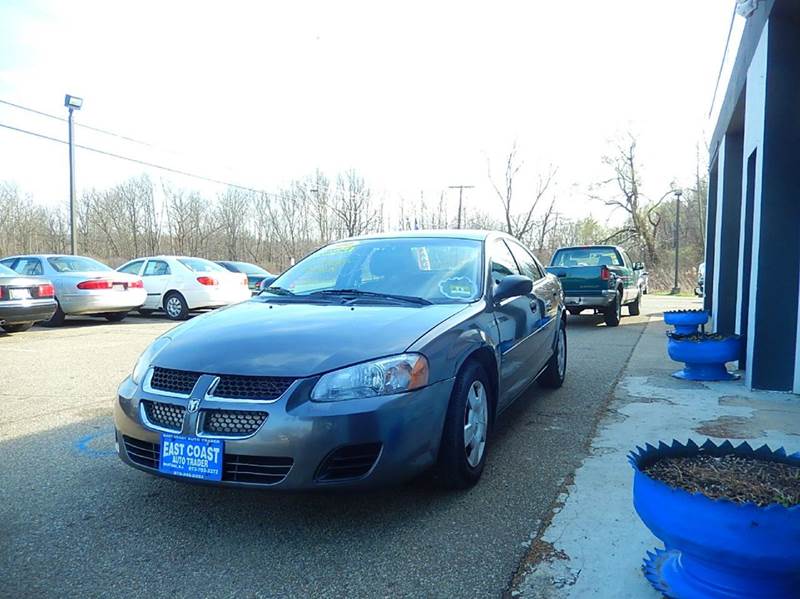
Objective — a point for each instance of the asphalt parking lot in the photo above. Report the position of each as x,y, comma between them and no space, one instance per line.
76,522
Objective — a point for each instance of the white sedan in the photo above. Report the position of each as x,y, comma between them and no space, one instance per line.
178,284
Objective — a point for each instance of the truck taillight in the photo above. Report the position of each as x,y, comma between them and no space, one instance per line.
45,290
96,284
207,280
605,274
137,284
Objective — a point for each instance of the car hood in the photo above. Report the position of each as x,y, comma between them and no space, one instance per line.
296,339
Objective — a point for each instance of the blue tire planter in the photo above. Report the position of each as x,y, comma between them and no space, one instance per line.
716,548
686,321
704,356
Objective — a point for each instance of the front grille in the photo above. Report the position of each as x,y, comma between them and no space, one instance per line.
142,453
260,470
164,415
231,422
252,387
351,461
256,469
173,381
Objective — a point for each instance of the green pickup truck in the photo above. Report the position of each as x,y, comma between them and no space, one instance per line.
598,277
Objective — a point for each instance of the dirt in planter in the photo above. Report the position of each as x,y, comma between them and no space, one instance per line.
732,477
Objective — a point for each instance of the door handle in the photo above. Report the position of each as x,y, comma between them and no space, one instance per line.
533,305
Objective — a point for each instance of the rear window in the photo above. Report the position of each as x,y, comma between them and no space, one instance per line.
76,264
5,270
200,265
587,257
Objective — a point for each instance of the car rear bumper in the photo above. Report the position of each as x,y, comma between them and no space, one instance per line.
29,310
591,301
402,433
102,301
216,297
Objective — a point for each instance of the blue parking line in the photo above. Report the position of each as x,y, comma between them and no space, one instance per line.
82,445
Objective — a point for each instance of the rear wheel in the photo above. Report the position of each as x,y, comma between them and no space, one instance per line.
175,306
17,327
57,319
613,314
556,370
462,453
115,316
635,307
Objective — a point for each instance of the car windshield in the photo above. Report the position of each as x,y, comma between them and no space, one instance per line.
200,265
76,264
436,269
248,269
5,270
586,257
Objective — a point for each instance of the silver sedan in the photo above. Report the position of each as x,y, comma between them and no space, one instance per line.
83,286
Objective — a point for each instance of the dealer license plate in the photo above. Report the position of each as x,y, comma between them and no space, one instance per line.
191,457
20,294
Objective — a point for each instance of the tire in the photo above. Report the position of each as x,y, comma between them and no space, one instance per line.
145,311
115,316
17,327
574,311
635,307
175,306
460,464
613,314
57,319
556,370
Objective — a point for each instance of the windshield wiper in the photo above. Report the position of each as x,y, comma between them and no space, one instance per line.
411,299
278,291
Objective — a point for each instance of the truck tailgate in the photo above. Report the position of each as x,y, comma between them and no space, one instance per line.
580,280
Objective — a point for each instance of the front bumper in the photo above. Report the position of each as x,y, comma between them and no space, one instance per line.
591,301
102,301
28,310
406,428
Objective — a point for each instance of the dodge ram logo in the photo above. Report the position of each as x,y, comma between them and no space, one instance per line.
193,405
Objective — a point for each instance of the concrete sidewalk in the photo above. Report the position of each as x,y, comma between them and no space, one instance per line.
594,544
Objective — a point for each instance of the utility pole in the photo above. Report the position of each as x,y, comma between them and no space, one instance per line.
460,189
678,193
72,103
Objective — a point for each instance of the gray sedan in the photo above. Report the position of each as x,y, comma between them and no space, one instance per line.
24,301
83,286
371,360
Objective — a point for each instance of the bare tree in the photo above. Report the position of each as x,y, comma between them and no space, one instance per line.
352,205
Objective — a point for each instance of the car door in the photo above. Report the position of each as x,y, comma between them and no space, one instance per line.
545,292
156,276
516,319
631,290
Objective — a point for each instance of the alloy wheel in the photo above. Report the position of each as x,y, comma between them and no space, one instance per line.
475,423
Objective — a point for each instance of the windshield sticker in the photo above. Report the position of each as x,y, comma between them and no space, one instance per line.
457,288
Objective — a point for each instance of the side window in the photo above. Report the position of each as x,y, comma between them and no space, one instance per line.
625,259
29,267
502,261
527,263
156,268
132,268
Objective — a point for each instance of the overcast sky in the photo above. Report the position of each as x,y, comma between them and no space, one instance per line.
415,96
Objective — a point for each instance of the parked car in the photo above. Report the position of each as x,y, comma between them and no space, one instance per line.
255,274
24,301
699,290
179,284
644,281
601,278
83,286
369,361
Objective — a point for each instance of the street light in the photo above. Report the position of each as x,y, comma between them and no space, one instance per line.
72,103
678,193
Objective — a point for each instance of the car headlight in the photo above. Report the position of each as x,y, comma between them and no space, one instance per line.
370,379
147,357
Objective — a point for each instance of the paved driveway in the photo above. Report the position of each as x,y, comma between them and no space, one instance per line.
76,522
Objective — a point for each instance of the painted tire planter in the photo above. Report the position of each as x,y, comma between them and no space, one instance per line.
686,321
704,355
716,548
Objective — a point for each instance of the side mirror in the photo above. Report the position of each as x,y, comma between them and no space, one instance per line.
513,286
266,282
638,266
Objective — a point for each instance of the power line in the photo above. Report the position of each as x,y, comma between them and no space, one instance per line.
136,160
63,120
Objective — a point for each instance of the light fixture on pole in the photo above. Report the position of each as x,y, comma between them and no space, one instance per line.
72,103
678,193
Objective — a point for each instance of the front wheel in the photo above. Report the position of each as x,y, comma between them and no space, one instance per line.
462,453
17,327
57,319
613,314
556,370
